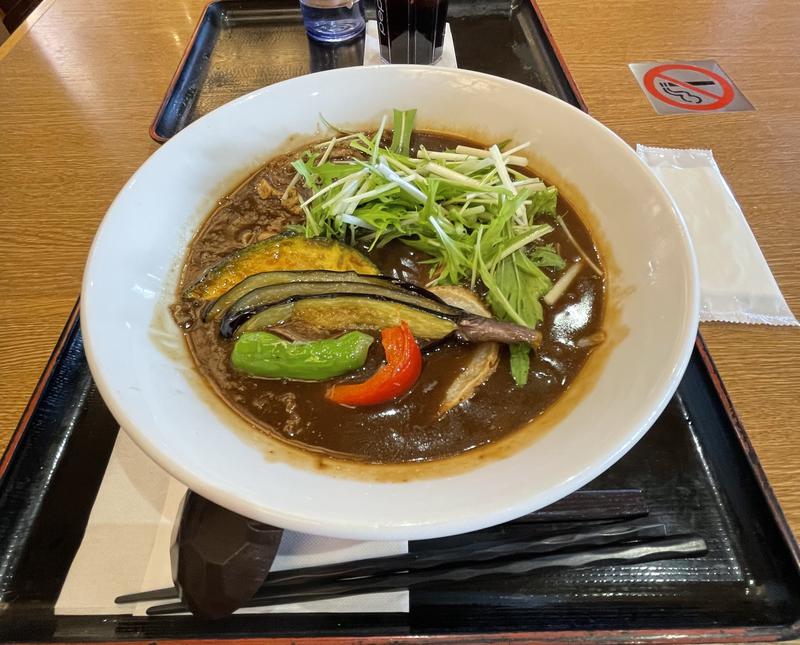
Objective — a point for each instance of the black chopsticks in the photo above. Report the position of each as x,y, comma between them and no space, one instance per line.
625,553
574,512
490,550
589,528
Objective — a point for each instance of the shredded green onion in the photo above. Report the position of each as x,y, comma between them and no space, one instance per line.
475,215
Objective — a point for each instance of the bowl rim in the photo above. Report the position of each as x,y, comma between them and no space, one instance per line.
401,529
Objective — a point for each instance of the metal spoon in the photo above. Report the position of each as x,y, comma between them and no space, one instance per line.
219,558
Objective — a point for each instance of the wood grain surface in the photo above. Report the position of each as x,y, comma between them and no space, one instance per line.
82,80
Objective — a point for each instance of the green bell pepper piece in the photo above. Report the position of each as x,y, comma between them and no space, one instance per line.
266,355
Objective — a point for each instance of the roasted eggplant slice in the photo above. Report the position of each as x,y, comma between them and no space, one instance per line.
335,312
259,299
283,252
270,278
279,318
315,315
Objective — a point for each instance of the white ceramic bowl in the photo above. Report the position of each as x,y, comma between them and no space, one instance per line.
141,367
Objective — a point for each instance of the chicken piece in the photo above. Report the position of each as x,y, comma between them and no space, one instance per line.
264,189
291,202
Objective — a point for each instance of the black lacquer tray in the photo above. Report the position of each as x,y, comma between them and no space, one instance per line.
696,466
242,45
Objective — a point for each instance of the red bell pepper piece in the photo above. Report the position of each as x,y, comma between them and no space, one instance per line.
396,377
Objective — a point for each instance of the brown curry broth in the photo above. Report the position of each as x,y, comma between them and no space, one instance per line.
406,429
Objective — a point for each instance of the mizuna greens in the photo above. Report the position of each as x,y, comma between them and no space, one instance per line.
471,210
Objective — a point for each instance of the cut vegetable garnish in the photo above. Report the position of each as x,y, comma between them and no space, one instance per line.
395,378
470,209
262,298
332,313
278,253
562,284
269,356
270,278
511,160
578,248
328,307
484,358
403,126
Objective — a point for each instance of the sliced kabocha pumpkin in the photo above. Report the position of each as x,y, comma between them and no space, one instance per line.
270,278
283,252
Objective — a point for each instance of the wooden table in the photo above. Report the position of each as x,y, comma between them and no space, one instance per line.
82,78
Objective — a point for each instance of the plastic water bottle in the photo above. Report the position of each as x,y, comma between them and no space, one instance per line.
333,21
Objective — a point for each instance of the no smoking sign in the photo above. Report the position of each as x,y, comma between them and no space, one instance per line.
699,87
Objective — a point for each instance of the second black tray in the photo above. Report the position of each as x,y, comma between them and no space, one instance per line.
243,45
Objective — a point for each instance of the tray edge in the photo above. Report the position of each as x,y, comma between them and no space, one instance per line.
752,458
159,138
721,635
181,63
562,63
41,386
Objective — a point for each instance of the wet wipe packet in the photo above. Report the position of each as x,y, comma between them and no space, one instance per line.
736,283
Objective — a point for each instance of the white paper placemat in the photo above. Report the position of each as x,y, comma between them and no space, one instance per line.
125,548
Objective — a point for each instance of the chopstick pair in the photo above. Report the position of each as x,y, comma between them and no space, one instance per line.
465,562
474,552
580,509
659,549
